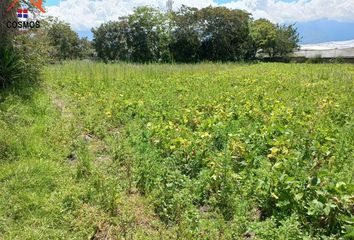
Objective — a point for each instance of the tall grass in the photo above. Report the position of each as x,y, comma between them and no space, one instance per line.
206,151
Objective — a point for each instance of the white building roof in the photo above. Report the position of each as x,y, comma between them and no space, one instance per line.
343,49
328,45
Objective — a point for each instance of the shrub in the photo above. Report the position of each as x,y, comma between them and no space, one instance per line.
338,59
23,62
316,59
11,66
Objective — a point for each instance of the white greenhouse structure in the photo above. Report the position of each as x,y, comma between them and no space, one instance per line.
344,49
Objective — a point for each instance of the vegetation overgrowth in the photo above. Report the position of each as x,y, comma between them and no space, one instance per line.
147,35
192,35
206,151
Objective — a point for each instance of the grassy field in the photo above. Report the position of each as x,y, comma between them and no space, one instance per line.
207,151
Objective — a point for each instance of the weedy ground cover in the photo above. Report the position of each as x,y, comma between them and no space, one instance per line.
207,151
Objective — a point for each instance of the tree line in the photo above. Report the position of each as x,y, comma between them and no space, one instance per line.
147,35
192,35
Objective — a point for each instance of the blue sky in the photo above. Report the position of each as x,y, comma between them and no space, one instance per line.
52,2
317,20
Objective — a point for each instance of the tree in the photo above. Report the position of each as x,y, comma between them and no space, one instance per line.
149,36
274,40
140,37
286,41
86,50
225,33
191,35
185,35
64,40
264,35
111,41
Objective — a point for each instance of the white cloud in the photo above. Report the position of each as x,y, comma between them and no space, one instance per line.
298,11
84,14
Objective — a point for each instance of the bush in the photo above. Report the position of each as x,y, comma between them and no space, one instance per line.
337,60
23,61
33,48
316,59
11,66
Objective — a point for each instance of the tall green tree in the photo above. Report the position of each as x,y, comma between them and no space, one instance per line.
287,40
86,50
111,41
64,40
225,33
191,35
149,35
264,34
185,35
142,36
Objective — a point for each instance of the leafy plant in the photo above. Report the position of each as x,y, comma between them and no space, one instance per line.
11,67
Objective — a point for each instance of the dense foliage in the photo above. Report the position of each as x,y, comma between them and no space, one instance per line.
215,151
191,35
65,42
7,56
264,34
273,40
6,33
22,53
139,37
